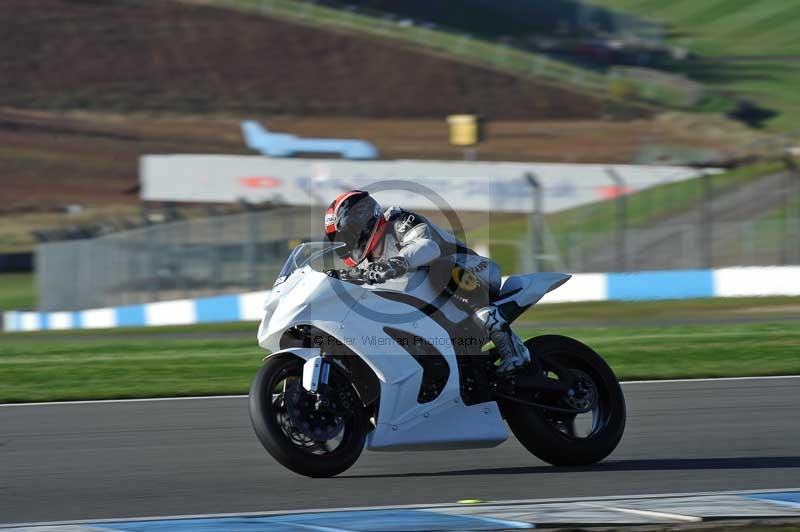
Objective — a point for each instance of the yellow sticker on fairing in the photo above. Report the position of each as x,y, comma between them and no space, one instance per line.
465,280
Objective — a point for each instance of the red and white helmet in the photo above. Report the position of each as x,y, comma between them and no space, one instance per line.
355,219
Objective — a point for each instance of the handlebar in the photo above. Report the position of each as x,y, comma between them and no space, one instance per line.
353,275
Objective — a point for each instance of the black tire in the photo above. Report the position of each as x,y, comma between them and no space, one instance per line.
537,429
276,441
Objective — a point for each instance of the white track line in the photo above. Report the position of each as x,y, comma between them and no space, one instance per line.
141,400
511,525
201,397
318,528
398,507
668,495
715,379
646,513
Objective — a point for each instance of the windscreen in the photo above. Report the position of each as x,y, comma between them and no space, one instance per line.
319,255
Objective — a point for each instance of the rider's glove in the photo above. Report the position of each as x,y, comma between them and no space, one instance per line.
336,274
380,272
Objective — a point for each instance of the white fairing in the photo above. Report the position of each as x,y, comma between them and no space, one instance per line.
356,316
528,289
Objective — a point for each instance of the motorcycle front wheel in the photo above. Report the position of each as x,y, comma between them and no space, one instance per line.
307,440
555,435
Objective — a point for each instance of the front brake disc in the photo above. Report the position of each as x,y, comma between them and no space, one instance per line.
319,424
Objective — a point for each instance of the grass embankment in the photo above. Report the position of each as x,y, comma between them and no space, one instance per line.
583,227
17,291
221,359
462,46
747,47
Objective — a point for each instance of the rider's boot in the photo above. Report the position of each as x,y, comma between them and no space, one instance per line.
513,353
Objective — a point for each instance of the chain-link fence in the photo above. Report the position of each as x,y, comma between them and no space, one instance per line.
766,242
193,258
186,259
712,222
760,242
704,223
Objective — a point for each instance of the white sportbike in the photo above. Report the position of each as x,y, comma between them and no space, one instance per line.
401,366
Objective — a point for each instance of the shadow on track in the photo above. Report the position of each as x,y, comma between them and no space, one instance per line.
667,464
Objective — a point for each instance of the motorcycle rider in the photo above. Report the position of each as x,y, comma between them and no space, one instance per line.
396,241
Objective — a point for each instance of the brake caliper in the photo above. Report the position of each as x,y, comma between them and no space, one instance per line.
320,406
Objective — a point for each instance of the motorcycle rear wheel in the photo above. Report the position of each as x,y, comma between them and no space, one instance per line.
553,436
286,443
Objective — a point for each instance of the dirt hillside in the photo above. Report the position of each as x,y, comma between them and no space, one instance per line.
134,55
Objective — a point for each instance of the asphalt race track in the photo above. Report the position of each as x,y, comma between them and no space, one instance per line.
199,456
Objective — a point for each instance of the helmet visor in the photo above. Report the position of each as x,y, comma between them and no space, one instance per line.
355,242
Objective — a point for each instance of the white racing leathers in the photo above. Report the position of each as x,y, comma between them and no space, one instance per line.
470,278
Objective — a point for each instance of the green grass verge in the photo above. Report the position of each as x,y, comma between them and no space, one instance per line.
203,360
751,46
17,291
738,350
724,27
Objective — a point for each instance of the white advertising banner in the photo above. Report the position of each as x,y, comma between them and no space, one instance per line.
469,186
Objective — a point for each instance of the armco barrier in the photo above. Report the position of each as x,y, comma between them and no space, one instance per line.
673,284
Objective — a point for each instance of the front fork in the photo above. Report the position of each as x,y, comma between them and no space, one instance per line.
333,397
316,372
